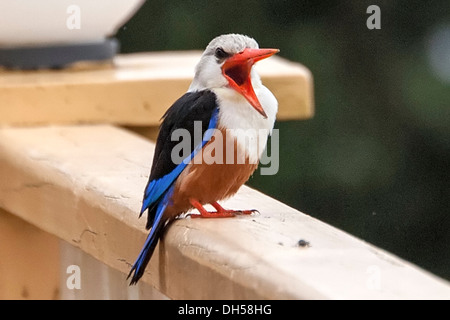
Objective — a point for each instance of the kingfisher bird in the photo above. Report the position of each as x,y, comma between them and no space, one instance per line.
225,99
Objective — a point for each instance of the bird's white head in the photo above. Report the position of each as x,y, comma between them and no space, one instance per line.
227,62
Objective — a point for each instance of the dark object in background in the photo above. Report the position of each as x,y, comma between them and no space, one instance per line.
57,56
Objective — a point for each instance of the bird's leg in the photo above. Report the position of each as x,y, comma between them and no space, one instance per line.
220,213
206,214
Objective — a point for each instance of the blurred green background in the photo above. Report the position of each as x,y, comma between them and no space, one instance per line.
375,159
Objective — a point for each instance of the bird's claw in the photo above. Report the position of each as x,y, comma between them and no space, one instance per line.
248,212
222,214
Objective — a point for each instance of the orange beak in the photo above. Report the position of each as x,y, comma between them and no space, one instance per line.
237,68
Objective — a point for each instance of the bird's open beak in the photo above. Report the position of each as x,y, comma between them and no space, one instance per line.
237,68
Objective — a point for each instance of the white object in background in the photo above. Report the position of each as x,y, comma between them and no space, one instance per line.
50,22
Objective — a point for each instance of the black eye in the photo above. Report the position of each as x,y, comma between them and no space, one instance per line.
221,54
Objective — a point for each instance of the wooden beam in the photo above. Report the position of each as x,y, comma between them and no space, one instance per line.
136,90
29,260
97,281
84,184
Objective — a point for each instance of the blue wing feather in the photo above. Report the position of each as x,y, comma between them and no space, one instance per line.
158,187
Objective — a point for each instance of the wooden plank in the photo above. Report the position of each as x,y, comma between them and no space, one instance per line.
29,259
136,90
98,281
84,184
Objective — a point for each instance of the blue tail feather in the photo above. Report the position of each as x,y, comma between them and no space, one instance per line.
151,242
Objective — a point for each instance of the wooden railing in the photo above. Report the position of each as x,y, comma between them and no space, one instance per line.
71,192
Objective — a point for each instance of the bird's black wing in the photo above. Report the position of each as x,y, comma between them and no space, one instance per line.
191,107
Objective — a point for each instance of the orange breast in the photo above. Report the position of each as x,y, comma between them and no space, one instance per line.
212,175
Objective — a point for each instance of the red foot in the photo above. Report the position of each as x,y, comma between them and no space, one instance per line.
219,208
220,213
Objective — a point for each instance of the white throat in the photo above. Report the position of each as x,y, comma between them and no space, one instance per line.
247,125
